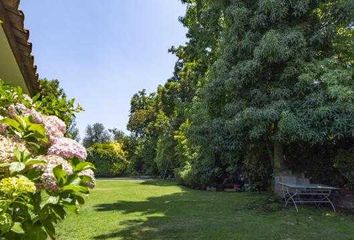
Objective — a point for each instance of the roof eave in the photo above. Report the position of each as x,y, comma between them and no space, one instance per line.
18,36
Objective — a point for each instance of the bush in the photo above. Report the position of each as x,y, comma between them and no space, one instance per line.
185,176
42,173
109,159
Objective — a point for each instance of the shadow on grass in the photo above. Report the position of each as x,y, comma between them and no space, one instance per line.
157,214
183,215
193,214
158,182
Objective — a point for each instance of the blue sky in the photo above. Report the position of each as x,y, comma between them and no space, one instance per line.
104,51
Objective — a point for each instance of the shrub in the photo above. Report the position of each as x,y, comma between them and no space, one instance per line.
184,175
37,186
109,159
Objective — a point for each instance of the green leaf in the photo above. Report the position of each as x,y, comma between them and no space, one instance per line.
11,123
5,222
37,233
16,167
33,144
4,205
18,154
50,229
83,166
36,97
38,129
86,179
35,161
71,207
33,174
76,188
60,174
80,199
59,210
53,200
21,156
17,228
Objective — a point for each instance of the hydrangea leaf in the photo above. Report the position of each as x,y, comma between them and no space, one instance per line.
16,167
17,228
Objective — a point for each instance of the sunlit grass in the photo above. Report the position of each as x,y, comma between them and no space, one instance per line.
133,209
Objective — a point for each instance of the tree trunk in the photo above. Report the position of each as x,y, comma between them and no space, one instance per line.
278,159
278,167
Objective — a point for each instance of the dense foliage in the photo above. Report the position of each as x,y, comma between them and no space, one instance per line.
42,173
109,159
260,88
52,100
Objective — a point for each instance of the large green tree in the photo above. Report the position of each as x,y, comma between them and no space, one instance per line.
281,78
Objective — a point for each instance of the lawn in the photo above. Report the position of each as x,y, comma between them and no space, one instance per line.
134,209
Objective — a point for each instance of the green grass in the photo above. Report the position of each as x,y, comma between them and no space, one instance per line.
132,209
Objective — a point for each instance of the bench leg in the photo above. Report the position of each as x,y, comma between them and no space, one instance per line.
330,202
291,197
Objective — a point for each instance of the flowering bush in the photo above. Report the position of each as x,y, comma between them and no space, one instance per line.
14,186
42,173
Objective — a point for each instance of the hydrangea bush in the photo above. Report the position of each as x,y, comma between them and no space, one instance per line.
43,174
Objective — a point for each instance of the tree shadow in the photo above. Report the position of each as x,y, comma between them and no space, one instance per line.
155,212
182,215
158,182
194,214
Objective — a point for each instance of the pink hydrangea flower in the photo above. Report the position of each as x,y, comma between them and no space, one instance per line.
36,116
48,180
54,126
53,161
20,109
67,148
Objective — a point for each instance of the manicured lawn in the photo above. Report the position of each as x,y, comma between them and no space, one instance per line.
132,209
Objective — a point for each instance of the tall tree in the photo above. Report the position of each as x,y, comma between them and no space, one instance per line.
52,100
96,133
279,78
118,135
144,136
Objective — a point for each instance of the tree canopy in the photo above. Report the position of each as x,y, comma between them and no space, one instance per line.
260,87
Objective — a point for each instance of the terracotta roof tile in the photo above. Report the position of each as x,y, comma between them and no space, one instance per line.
18,38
